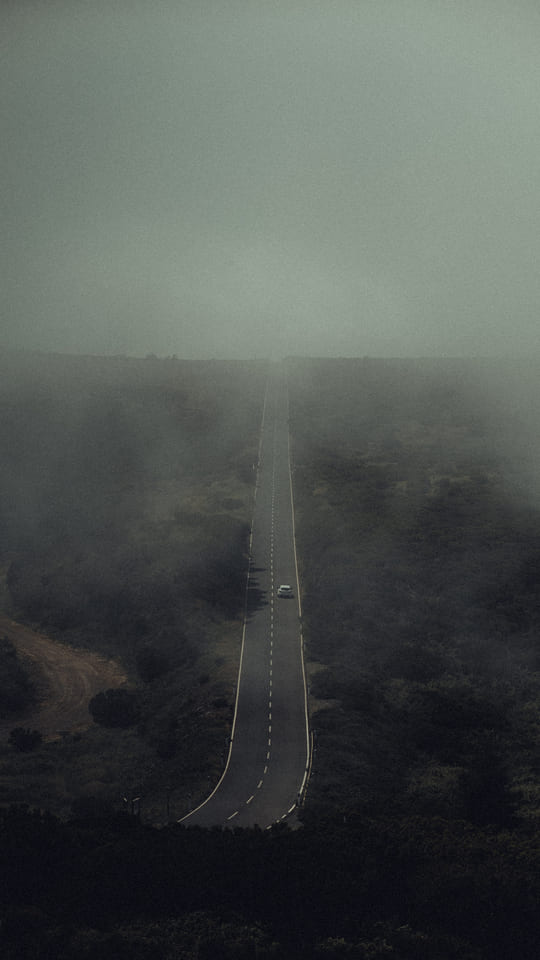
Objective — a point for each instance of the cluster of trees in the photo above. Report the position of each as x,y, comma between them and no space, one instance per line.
418,528
17,691
25,739
110,502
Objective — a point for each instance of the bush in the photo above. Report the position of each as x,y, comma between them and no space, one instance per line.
16,689
151,663
24,739
115,708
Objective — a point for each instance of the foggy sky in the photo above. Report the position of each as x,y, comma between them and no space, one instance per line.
247,177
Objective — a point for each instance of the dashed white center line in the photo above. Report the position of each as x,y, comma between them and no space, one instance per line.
259,785
250,799
233,815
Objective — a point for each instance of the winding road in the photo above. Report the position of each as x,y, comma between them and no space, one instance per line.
268,760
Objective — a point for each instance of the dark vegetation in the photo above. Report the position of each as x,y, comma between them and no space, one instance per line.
24,739
418,525
125,501
418,530
416,888
17,692
421,574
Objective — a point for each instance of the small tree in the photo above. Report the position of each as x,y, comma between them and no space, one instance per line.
24,739
151,663
115,708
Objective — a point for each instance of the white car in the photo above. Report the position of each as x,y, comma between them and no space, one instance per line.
285,590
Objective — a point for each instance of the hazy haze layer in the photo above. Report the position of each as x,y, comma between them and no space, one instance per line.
240,178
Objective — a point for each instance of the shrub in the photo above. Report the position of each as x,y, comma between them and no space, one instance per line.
115,708
24,739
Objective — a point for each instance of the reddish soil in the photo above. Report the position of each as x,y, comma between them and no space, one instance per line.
66,679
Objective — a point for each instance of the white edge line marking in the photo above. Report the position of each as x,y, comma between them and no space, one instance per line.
239,677
306,709
290,810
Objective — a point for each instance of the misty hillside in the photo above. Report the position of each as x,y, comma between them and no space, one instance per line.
418,524
125,501
353,186
115,471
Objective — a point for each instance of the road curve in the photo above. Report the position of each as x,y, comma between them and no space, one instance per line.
269,753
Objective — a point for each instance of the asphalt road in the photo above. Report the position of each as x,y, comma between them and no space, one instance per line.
269,752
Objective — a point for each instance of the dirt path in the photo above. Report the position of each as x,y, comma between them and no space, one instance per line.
67,678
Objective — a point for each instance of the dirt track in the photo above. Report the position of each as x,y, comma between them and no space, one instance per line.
66,678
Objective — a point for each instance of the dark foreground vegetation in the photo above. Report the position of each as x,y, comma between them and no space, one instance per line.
17,692
418,528
382,889
125,500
